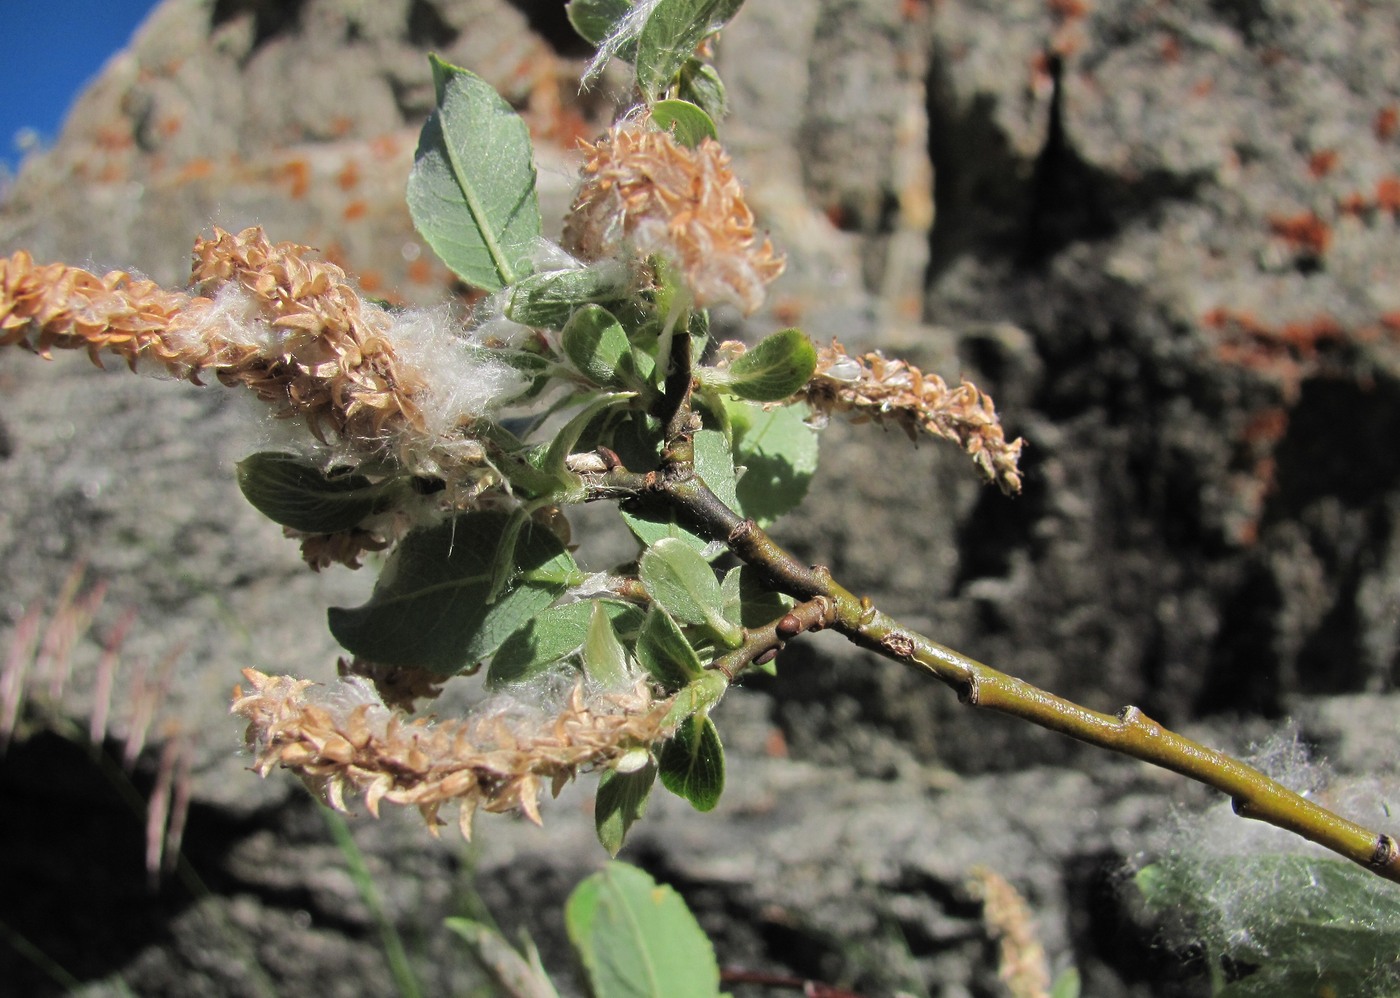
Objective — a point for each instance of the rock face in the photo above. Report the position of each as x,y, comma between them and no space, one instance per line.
1164,237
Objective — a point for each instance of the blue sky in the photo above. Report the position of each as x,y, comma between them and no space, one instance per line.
54,48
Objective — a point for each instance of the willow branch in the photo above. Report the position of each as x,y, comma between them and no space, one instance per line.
1129,732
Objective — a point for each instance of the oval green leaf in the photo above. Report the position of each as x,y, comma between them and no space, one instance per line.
637,939
664,651
621,803
776,369
701,85
679,578
604,658
472,189
430,607
692,763
296,494
596,344
688,123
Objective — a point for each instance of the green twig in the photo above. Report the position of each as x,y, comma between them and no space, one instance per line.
1129,732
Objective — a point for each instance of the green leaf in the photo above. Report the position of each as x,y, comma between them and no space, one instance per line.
669,38
621,803
596,344
472,189
664,651
692,763
778,452
547,300
637,939
594,20
515,976
701,85
296,494
604,658
683,583
429,608
714,463
1309,923
688,123
554,635
773,371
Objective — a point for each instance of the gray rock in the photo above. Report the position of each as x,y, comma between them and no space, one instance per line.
1160,236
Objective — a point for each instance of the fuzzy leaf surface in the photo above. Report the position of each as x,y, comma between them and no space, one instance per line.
472,189
1311,924
594,20
670,36
596,344
637,939
289,491
430,607
555,634
683,583
701,85
692,763
621,803
548,299
774,370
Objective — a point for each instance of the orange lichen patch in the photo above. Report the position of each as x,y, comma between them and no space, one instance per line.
170,126
1353,204
1387,123
297,175
1309,333
384,146
420,271
1170,49
1388,194
195,169
912,10
1265,426
342,125
113,138
1203,88
1322,162
1305,232
1068,9
1287,353
371,281
349,176
775,744
111,173
355,210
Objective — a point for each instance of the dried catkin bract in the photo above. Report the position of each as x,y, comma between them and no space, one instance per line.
345,740
286,325
644,193
874,387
